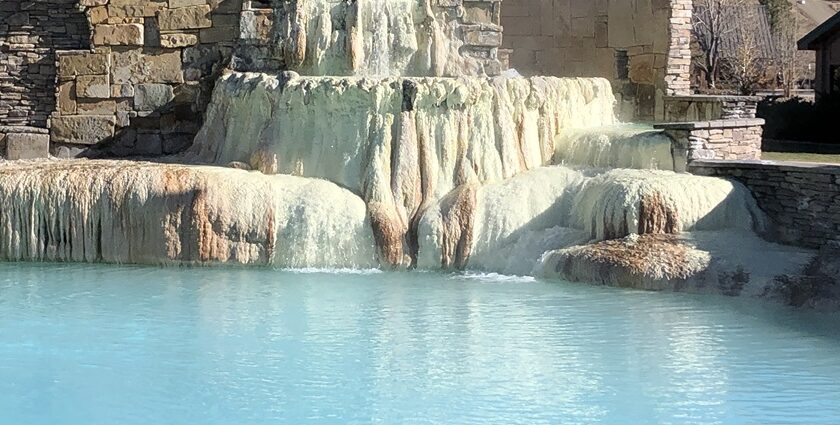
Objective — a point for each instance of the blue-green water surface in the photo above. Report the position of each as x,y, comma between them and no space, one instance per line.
130,345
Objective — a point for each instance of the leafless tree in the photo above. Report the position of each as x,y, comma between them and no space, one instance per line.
744,68
789,61
710,27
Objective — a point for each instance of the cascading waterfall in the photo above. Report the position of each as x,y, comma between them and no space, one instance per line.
619,146
392,166
371,38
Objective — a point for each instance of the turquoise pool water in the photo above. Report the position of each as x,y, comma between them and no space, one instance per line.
124,345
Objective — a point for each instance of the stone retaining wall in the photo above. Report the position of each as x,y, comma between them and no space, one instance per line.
719,139
143,87
802,200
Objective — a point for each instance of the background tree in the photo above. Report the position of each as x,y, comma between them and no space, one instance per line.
780,11
744,68
710,27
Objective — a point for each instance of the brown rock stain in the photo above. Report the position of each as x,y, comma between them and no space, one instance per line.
458,214
656,216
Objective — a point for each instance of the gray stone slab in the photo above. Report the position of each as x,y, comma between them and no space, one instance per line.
27,146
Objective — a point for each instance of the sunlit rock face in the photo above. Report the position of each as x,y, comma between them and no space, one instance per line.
512,224
145,213
399,143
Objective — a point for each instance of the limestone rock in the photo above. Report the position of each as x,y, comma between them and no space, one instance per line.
192,17
118,35
82,129
150,97
96,107
122,90
71,65
175,4
178,40
27,146
137,66
136,212
135,8
67,98
93,86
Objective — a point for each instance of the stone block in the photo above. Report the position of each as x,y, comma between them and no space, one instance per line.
95,107
150,97
122,90
67,98
192,17
218,35
137,66
135,8
27,146
82,129
175,4
93,87
118,35
71,65
97,15
178,40
90,3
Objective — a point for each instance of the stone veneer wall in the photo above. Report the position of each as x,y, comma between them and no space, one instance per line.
641,46
708,108
143,87
802,200
720,139
30,33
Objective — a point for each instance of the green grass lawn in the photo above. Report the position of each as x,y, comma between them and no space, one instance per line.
801,157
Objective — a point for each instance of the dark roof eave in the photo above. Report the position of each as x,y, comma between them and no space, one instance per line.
812,39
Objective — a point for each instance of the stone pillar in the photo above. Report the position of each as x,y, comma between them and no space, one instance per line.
678,72
720,139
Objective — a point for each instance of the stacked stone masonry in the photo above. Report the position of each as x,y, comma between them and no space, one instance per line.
720,139
641,46
709,108
802,200
143,86
30,33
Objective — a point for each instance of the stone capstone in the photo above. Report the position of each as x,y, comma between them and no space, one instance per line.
27,146
175,4
82,129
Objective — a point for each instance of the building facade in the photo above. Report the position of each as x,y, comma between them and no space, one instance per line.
825,41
